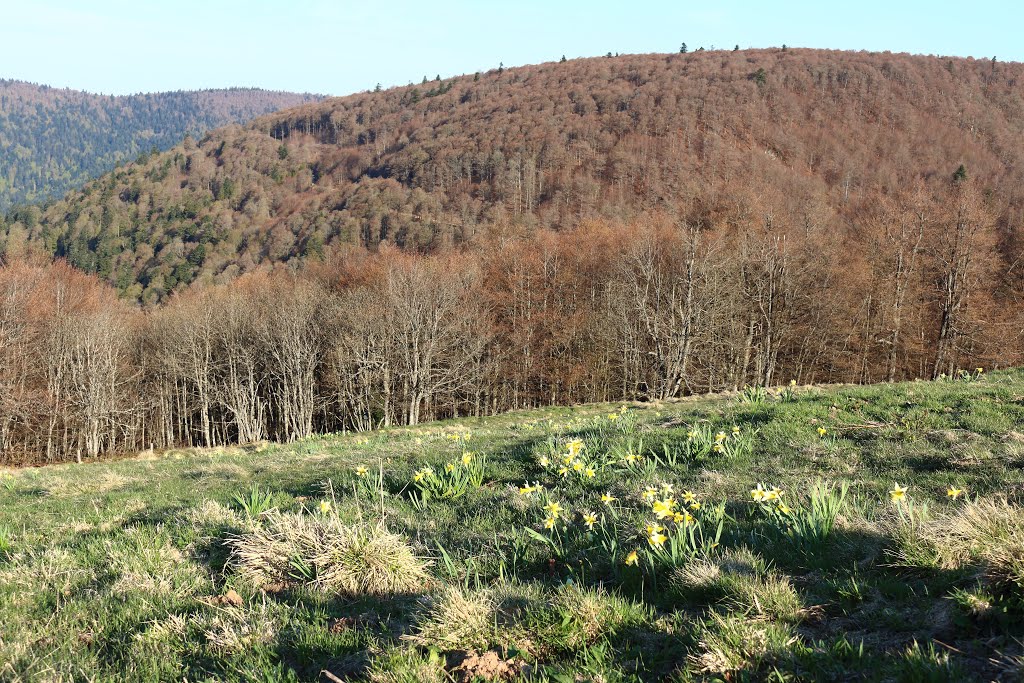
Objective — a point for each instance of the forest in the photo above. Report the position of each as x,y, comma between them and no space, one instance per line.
639,227
53,140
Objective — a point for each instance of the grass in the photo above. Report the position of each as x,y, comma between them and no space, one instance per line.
511,556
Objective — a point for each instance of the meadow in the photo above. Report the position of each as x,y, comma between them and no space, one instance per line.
792,534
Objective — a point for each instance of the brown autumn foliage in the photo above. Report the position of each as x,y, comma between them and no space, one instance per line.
640,227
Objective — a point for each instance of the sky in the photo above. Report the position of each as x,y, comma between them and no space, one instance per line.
340,47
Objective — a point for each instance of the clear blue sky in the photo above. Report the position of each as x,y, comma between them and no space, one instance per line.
125,46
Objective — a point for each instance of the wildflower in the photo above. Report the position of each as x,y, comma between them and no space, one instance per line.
526,489
663,508
689,496
361,471
649,494
549,523
577,466
465,436
467,458
607,498
654,529
632,559
589,473
792,382
719,448
953,492
590,519
720,436
325,506
898,493
449,468
575,446
418,477
691,434
772,495
568,458
545,461
553,508
695,505
783,508
758,494
979,370
735,430
612,417
657,539
822,431
631,458
667,488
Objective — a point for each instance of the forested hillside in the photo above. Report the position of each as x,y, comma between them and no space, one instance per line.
54,140
638,227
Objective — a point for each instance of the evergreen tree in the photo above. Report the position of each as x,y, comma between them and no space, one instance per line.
682,49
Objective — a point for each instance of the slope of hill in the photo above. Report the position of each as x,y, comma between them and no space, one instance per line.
395,556
800,139
54,140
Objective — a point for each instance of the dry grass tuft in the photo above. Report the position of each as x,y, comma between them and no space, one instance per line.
327,554
989,533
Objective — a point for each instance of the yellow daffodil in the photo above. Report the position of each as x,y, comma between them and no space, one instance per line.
953,492
691,434
590,519
612,417
654,529
649,494
526,489
898,493
467,458
545,461
758,494
361,471
631,458
577,466
589,473
553,508
657,539
632,558
418,477
689,496
663,508
607,498
563,470
719,448
575,446
783,508
695,505
720,436
979,370
792,382
549,523
568,458
325,506
449,467
667,488
735,429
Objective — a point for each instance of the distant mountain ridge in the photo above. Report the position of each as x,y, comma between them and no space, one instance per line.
53,140
797,141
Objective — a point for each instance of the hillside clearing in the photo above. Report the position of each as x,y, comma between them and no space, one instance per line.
773,540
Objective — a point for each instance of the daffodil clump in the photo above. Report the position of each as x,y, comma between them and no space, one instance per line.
452,481
681,528
703,440
572,462
806,523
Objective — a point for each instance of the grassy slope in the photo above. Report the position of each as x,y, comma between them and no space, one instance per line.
113,570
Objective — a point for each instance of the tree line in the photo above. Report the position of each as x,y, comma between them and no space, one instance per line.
645,309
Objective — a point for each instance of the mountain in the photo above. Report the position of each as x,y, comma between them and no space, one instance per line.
53,140
797,139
